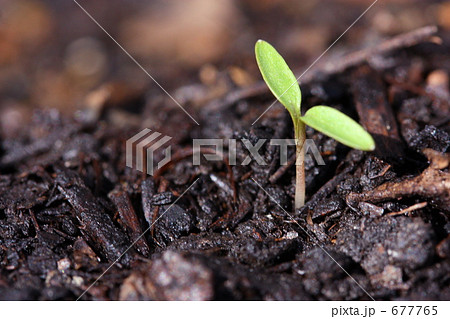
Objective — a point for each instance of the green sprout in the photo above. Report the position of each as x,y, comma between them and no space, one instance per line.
283,84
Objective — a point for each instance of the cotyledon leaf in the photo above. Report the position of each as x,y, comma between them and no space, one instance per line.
278,77
339,126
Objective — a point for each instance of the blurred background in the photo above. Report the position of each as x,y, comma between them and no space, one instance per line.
52,55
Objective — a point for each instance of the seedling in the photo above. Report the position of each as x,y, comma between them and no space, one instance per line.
283,84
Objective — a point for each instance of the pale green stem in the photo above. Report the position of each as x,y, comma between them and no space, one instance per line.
300,137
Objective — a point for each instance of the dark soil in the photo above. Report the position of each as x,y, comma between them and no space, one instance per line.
69,206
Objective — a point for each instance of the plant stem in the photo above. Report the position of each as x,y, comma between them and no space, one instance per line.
300,137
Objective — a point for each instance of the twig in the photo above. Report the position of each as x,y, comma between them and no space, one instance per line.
432,183
280,172
409,209
401,41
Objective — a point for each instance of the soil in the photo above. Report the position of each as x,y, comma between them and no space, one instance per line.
375,225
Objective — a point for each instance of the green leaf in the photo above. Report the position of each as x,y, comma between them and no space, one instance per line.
279,78
339,126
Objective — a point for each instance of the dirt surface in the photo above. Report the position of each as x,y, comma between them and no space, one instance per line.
375,225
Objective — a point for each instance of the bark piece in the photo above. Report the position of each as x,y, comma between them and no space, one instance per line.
97,224
130,220
375,113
